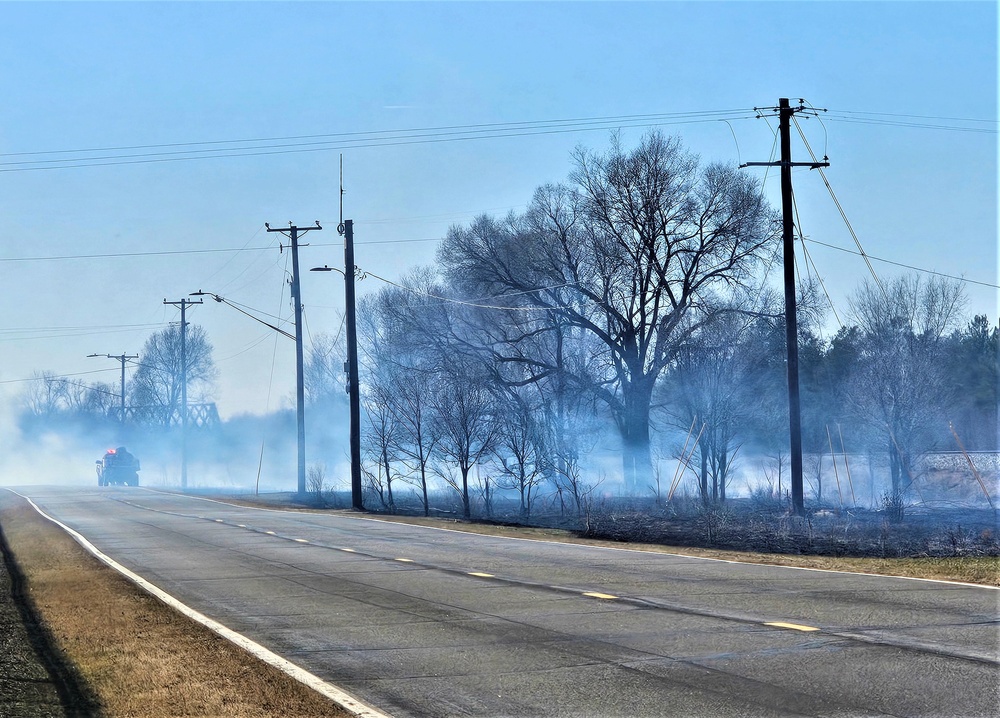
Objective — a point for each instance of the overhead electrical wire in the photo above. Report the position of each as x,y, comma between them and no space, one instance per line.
352,140
809,260
905,266
926,122
470,127
57,376
839,207
477,305
860,251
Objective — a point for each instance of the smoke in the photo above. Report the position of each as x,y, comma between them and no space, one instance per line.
42,457
244,454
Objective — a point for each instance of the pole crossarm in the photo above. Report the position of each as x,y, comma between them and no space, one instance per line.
810,165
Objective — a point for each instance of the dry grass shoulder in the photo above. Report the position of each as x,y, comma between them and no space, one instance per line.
139,657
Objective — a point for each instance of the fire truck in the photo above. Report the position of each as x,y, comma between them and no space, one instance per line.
118,467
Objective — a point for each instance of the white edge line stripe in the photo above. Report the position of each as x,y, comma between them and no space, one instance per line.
605,548
348,702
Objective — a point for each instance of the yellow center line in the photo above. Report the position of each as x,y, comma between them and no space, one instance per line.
792,626
595,594
480,574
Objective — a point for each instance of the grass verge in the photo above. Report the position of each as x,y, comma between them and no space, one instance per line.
140,658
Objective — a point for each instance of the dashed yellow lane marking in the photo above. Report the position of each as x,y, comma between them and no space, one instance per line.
300,541
481,575
595,594
792,626
404,560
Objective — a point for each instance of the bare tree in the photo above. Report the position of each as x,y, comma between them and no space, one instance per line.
44,395
633,255
156,384
323,370
519,451
381,438
716,384
464,410
401,362
898,384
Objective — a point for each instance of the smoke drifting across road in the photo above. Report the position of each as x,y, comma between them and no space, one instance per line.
245,453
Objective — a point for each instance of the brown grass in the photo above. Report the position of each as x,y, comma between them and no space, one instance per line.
141,658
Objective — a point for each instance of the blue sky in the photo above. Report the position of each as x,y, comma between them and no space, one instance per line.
111,75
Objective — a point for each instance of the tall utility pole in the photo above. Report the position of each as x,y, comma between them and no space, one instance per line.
300,396
183,304
122,358
785,112
353,384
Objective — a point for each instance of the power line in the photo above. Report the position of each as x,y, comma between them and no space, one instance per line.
57,376
82,328
836,201
480,127
369,142
113,255
920,117
906,266
927,122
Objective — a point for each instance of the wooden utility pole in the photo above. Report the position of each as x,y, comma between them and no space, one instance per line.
122,358
353,386
183,304
785,112
300,399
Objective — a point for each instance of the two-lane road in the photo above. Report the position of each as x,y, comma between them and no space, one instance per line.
422,621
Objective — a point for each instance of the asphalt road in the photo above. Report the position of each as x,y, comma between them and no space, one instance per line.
428,622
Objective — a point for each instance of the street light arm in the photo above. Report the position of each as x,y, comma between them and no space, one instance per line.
217,298
326,268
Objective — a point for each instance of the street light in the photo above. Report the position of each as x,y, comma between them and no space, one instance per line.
122,358
353,388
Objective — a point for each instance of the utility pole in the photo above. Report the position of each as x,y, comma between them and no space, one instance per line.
785,112
122,358
300,397
353,383
183,304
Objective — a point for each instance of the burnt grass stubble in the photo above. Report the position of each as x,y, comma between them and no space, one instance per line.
763,525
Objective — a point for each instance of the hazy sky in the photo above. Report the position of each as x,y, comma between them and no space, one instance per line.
88,253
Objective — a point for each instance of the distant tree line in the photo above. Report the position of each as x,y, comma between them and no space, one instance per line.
152,393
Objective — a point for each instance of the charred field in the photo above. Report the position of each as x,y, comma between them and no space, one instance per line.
893,531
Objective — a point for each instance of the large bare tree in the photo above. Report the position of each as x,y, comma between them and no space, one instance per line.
634,254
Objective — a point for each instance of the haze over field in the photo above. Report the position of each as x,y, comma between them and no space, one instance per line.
145,145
